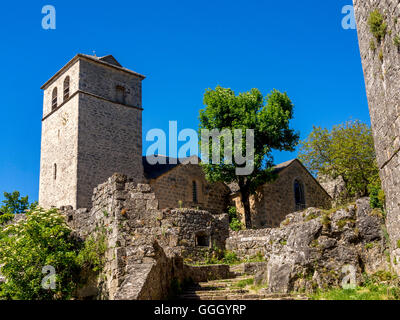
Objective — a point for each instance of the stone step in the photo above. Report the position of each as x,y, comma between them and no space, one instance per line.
237,297
215,292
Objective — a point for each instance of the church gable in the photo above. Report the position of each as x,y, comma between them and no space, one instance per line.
295,189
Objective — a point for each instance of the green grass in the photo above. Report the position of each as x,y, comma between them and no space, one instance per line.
360,293
244,283
380,286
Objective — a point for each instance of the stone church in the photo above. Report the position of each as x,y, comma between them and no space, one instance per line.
92,128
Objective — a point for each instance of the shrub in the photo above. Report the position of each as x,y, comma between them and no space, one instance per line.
6,217
92,254
381,55
230,257
234,223
372,45
377,25
376,194
396,41
26,247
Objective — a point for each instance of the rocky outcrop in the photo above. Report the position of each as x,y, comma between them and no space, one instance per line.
316,248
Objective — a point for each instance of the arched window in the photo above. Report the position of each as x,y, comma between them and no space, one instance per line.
299,198
194,191
55,171
66,88
54,99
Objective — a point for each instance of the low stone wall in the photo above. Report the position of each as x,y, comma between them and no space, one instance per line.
206,273
248,243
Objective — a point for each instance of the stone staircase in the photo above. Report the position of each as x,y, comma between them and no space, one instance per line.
239,287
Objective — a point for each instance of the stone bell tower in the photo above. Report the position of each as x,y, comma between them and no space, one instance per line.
91,128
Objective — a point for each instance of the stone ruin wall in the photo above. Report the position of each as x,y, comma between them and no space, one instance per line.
145,245
381,72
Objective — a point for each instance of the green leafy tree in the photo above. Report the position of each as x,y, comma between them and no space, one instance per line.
42,239
269,118
347,151
14,203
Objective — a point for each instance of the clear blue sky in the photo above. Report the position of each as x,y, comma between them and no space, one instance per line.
183,47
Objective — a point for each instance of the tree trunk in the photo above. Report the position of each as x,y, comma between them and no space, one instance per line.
246,205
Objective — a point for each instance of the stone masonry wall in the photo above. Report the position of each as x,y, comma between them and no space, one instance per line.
109,141
176,185
381,64
275,200
91,135
139,262
59,147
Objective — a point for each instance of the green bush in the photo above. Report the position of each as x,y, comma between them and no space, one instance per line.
230,257
42,239
376,194
234,223
377,25
92,254
6,217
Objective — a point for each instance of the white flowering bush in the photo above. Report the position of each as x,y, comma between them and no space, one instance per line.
26,247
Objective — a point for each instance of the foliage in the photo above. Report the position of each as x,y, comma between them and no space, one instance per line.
372,45
245,282
230,258
376,194
6,217
92,254
269,118
43,239
379,286
234,223
396,41
377,25
15,204
347,151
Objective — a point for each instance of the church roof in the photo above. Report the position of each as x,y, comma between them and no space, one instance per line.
108,60
153,171
234,187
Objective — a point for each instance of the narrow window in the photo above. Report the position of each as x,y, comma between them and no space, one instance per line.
120,94
299,195
55,171
54,99
194,191
66,88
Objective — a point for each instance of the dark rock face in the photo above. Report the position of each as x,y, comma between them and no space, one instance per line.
315,249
